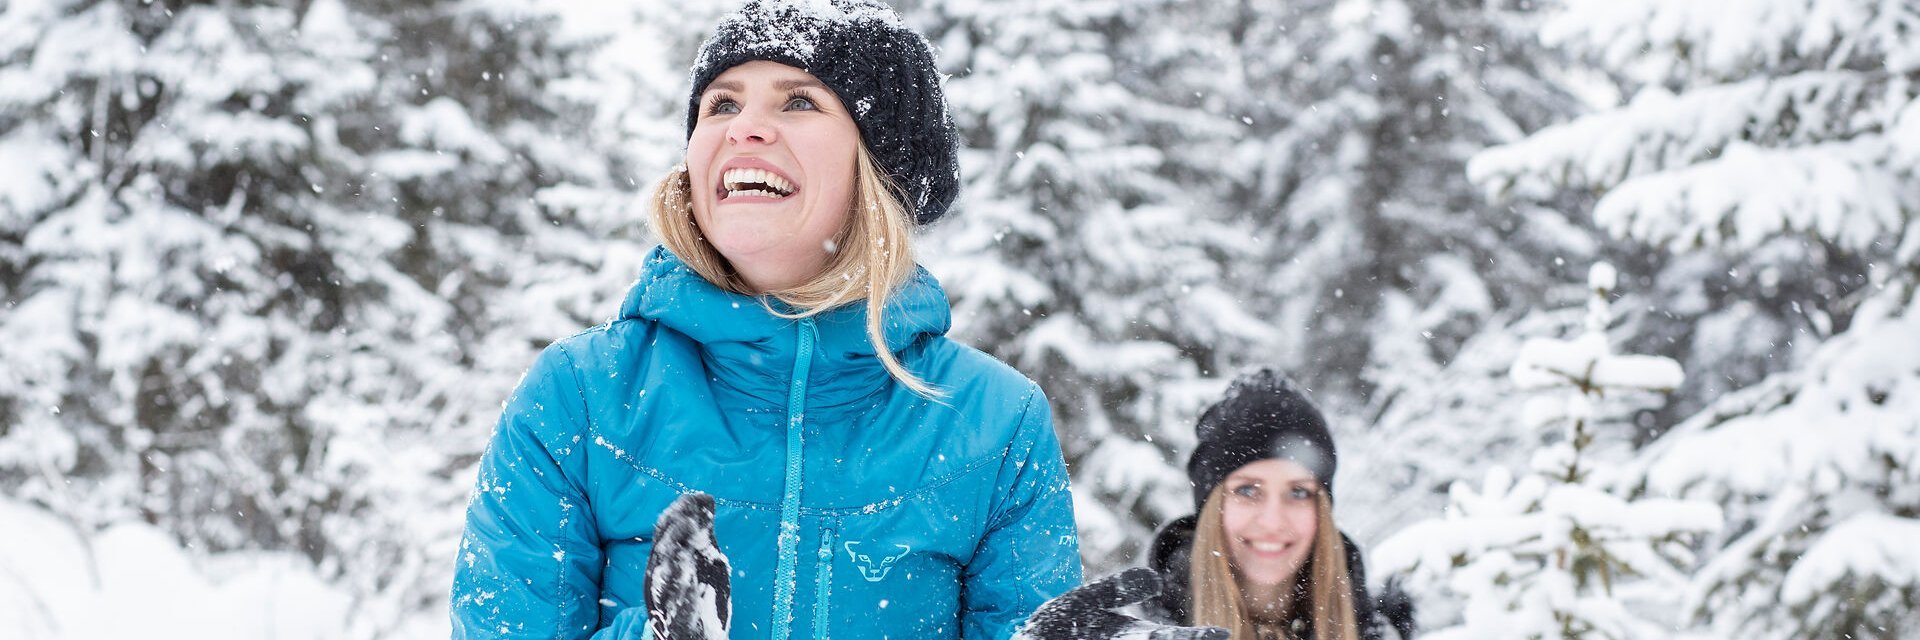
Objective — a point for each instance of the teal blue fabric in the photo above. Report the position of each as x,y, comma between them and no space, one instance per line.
931,519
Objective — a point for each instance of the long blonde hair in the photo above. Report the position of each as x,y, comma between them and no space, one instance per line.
1217,599
872,256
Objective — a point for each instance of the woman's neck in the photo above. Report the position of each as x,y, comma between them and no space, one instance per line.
1266,603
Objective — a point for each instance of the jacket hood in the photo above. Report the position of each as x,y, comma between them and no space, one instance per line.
744,342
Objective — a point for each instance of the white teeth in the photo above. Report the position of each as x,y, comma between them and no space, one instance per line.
1267,547
737,180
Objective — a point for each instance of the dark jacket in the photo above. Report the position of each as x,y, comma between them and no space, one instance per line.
1170,557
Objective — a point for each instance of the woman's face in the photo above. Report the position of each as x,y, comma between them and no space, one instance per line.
1270,514
771,162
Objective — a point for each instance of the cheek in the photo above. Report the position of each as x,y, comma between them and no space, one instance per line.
1233,519
1305,520
828,155
701,150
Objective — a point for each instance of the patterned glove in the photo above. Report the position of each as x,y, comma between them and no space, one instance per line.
688,592
1086,613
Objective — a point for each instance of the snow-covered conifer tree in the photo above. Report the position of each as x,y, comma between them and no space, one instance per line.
1783,134
257,263
1560,552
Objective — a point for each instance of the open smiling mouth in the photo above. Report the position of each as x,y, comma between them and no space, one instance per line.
754,183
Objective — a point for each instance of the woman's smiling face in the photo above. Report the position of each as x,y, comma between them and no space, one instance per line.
1270,515
771,163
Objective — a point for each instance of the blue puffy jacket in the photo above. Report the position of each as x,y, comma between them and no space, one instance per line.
903,517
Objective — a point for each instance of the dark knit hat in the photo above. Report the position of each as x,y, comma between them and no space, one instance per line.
882,70
1263,416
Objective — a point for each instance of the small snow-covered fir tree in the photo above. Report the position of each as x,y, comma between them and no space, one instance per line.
1784,134
1558,552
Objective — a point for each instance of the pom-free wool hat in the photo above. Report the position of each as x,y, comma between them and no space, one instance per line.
1263,416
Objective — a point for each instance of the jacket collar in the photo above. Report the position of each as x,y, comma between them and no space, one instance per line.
1170,555
750,349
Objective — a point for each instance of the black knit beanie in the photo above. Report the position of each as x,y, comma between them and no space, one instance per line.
1263,416
882,70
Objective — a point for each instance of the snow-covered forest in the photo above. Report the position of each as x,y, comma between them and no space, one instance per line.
1614,304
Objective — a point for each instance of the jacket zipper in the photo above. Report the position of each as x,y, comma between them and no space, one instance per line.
823,577
789,538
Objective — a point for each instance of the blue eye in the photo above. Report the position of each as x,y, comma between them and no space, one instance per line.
1247,491
1301,493
800,102
722,104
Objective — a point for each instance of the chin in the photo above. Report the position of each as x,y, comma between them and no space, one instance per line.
742,244
1271,571
1268,578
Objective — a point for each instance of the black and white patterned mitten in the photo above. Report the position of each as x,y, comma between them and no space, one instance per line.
1087,613
688,592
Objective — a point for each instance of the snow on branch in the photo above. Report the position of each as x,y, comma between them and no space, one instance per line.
1587,362
1730,38
1875,545
1584,362
1841,191
1659,130
1852,408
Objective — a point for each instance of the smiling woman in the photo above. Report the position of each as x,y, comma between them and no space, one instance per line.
771,166
1263,558
781,353
775,183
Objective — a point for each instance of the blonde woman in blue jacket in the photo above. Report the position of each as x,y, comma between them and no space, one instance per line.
782,353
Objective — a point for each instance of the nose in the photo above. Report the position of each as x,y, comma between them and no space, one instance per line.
1272,519
751,126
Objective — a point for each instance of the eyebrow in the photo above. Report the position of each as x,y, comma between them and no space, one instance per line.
796,83
1255,480
782,85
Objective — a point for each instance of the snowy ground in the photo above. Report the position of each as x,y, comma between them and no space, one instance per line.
133,581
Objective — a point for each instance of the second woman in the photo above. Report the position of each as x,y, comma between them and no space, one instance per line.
1262,557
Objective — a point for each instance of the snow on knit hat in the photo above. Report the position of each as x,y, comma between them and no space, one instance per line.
882,70
1263,416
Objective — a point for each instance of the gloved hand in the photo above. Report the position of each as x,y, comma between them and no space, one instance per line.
1394,603
689,596
1086,613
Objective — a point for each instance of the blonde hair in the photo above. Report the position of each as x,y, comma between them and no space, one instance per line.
872,256
1217,599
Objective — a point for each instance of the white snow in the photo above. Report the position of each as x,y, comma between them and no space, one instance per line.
32,161
1869,545
1549,362
132,580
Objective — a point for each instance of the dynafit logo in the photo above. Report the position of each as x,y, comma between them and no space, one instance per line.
875,560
